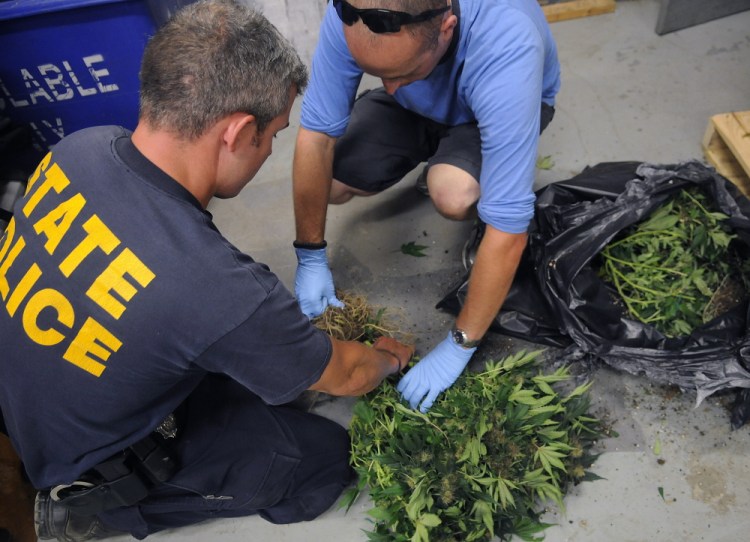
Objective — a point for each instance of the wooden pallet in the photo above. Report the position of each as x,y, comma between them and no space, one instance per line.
572,9
726,145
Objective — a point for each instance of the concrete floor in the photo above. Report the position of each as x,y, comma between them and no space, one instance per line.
627,94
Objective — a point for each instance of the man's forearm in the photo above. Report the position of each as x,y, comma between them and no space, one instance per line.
355,369
312,175
491,277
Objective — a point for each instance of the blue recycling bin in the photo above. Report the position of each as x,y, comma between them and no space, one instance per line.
71,64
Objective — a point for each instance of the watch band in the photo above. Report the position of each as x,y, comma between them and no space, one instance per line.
310,246
460,337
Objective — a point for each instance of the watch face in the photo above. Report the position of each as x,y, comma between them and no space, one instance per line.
461,339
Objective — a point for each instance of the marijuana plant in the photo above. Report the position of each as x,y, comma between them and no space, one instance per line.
668,268
491,452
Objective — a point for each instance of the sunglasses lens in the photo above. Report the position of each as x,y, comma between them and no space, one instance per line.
382,21
378,20
346,12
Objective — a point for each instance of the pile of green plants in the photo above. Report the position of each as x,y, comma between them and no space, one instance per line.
493,451
679,268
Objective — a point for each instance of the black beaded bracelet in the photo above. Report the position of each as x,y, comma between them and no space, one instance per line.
310,246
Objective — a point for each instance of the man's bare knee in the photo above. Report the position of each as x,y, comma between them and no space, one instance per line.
341,193
453,191
452,209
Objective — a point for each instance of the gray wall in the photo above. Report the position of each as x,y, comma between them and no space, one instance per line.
297,20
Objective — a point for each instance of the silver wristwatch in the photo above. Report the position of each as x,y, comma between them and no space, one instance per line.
462,339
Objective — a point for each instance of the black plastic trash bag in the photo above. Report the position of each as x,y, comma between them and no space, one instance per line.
558,299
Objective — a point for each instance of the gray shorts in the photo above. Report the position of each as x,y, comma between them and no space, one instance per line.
384,142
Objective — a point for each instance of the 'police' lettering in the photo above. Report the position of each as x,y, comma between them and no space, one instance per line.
24,287
43,299
8,256
47,315
92,339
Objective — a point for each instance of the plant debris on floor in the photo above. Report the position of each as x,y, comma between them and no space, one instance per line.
495,449
357,320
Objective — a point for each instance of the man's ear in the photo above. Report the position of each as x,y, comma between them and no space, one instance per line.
240,127
448,24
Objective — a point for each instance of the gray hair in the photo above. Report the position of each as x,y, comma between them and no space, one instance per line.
214,58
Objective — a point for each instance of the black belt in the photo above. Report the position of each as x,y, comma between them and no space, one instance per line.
125,478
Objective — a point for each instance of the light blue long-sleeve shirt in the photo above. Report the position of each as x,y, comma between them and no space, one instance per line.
504,65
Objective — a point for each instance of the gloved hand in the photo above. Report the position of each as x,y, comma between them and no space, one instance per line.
434,373
313,283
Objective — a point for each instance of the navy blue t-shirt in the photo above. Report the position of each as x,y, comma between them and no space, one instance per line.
119,294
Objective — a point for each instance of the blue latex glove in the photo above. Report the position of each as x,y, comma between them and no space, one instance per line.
434,373
313,283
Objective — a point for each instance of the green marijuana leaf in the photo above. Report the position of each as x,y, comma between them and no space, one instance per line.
544,162
412,249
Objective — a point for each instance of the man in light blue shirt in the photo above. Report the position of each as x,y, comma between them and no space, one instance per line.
468,86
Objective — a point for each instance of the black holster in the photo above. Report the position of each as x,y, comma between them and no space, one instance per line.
122,480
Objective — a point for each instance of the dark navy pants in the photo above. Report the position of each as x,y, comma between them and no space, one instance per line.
383,142
239,456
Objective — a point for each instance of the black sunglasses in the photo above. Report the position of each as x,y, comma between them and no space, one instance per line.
382,20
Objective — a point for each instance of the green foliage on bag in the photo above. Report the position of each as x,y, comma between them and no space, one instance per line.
493,450
678,269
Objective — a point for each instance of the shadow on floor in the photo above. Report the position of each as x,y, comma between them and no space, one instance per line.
16,498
